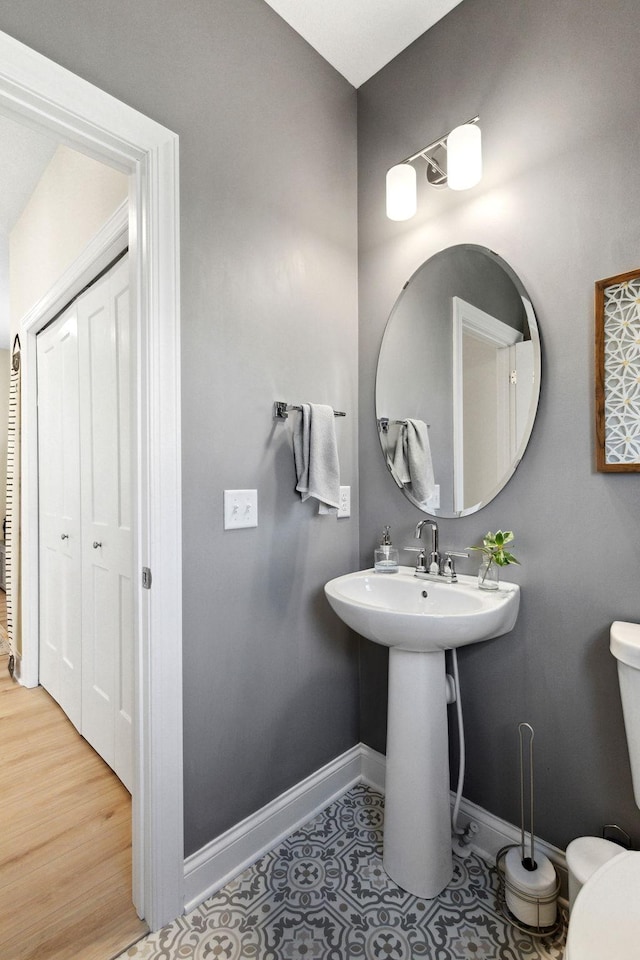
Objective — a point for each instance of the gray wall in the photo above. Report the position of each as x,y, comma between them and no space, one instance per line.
555,84
268,269
268,232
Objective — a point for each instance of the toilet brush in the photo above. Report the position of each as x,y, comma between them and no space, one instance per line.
530,877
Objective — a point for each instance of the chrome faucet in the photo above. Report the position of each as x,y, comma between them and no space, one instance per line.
435,567
434,555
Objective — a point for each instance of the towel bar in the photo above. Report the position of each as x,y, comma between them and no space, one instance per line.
281,410
384,423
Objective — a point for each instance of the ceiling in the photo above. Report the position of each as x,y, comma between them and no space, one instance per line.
358,37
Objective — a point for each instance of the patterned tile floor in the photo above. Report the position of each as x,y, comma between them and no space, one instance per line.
322,895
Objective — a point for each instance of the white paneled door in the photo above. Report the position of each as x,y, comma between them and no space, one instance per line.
100,582
105,458
59,505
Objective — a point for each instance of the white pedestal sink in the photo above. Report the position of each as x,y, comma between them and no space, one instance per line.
419,620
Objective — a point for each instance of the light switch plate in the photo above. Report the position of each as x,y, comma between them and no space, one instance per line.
240,509
344,503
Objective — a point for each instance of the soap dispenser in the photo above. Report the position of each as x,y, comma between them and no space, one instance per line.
386,558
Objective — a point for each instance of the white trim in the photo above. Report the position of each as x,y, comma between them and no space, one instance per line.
505,409
495,833
214,865
38,92
374,766
210,868
483,326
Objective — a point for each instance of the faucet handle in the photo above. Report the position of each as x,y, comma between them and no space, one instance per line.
449,566
420,559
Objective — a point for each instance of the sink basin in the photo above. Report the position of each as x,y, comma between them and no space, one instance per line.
400,610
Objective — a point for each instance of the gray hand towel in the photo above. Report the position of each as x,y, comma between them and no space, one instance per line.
315,454
412,462
400,461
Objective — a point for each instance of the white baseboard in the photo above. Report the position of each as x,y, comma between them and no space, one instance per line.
373,767
229,854
211,867
494,833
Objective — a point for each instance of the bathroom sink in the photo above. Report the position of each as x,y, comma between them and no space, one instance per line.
400,610
418,620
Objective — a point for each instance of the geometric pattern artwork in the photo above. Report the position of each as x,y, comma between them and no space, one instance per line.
622,372
322,894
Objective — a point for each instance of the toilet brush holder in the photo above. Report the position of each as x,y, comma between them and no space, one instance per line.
530,884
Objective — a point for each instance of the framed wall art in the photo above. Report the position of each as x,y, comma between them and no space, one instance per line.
617,374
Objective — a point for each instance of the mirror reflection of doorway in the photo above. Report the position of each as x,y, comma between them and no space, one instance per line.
492,387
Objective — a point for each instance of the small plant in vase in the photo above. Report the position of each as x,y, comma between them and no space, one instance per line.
494,556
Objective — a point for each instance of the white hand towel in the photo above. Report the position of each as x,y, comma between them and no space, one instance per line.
412,462
315,454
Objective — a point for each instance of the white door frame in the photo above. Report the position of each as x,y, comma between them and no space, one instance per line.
40,93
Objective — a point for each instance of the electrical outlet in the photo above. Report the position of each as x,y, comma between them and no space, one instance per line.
344,503
240,509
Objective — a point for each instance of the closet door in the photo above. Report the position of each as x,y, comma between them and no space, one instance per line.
59,514
105,445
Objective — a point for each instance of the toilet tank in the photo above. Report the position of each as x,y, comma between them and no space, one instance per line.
625,646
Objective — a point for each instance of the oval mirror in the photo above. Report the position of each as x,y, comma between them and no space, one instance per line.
458,381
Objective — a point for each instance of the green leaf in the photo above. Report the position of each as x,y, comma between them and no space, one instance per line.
493,547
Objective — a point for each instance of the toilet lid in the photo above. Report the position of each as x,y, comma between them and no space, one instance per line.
605,920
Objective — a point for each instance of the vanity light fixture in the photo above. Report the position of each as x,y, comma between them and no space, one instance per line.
402,192
454,160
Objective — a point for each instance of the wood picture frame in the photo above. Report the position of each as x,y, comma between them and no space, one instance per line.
617,373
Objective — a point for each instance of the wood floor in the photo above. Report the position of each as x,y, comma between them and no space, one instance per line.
65,838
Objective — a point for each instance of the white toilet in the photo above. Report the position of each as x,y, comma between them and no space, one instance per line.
604,881
585,855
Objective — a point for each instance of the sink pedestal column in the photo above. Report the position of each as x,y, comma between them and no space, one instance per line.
417,822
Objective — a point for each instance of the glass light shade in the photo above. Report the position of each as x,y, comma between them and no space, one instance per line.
464,157
402,201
